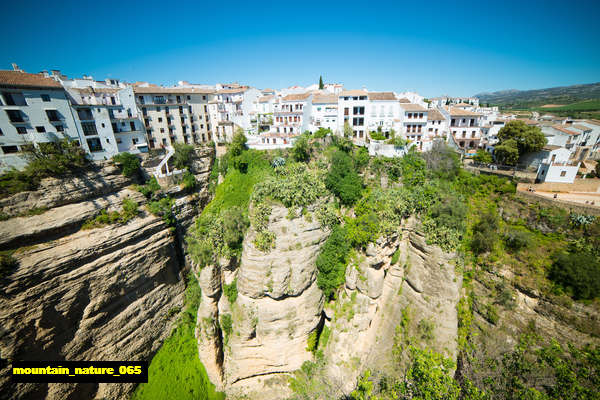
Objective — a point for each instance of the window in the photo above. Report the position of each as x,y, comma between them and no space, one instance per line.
40,129
563,173
189,98
94,144
162,130
119,141
107,141
14,99
104,126
89,129
409,115
15,116
45,98
53,116
159,119
420,115
21,130
1,133
10,149
134,141
164,142
132,125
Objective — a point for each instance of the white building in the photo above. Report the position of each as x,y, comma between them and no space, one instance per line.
35,109
382,110
324,112
174,114
265,106
291,114
437,128
235,105
413,119
557,167
352,106
465,127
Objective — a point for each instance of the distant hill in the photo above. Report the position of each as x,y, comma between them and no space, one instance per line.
538,97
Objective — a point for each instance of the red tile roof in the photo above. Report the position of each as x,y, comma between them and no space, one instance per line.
24,79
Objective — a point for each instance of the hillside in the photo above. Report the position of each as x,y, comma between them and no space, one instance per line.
538,97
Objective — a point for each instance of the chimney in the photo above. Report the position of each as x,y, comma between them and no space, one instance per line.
16,67
45,74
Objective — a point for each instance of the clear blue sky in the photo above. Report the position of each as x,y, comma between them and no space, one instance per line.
447,47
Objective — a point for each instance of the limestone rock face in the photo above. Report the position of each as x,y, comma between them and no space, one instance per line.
98,294
363,323
278,305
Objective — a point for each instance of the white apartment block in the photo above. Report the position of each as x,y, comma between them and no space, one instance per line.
413,119
324,112
437,128
173,115
352,106
265,106
383,110
465,127
34,109
291,114
235,105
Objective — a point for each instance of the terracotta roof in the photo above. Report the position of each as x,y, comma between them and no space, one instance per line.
461,112
435,115
592,121
164,90
352,93
265,99
412,107
564,130
268,90
550,147
24,79
235,90
404,100
325,99
381,96
582,127
296,97
463,105
90,90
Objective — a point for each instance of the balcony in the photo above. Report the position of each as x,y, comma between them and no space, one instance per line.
17,117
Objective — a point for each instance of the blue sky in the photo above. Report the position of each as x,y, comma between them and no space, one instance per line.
447,47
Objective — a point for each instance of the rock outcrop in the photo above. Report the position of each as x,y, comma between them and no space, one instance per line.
97,294
278,305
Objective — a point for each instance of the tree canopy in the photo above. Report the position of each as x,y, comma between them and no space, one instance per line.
527,138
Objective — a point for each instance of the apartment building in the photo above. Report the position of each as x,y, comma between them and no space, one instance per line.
465,127
352,106
265,106
173,115
324,112
413,119
383,110
234,105
34,109
291,114
436,128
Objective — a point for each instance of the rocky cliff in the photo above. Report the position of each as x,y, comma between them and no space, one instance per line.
97,294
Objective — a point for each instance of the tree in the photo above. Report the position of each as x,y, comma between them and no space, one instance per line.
442,159
578,273
129,163
183,155
348,133
507,152
321,86
238,143
342,178
527,138
301,151
482,157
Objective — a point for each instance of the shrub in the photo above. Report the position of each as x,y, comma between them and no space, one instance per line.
322,132
327,215
332,260
230,291
234,224
182,158
517,239
149,188
7,264
264,241
362,230
483,157
395,257
343,180
312,341
130,210
484,233
188,181
238,144
129,163
227,327
300,151
426,328
377,135
577,273
163,208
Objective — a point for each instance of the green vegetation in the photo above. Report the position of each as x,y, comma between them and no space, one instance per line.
300,150
163,208
188,181
322,132
230,291
128,212
129,163
321,86
149,188
483,157
176,371
227,327
578,273
7,264
377,135
343,180
182,158
587,105
53,159
517,139
332,260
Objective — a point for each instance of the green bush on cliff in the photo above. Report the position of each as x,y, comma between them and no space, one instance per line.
7,263
129,210
332,260
129,163
230,291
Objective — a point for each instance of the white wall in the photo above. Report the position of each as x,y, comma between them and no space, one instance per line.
553,173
